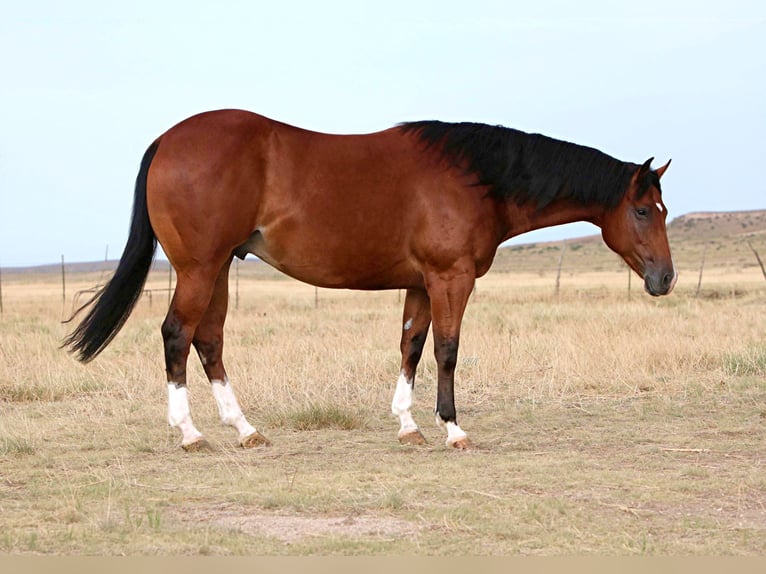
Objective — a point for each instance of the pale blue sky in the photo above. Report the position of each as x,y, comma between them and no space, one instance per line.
86,86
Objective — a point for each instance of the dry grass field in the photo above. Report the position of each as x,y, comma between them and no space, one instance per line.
605,422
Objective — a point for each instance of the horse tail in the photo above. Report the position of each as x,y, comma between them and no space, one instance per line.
112,304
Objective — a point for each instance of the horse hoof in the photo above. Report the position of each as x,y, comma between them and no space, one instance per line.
198,445
254,441
462,444
414,437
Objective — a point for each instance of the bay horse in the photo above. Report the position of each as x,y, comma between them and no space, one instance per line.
422,206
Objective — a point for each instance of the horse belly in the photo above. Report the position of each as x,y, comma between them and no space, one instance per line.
317,261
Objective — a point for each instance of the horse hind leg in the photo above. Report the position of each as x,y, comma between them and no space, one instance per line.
208,342
190,300
415,323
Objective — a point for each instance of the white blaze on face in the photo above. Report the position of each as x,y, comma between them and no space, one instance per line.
659,206
402,404
228,408
179,414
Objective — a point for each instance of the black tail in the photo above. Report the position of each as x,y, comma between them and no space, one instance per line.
115,301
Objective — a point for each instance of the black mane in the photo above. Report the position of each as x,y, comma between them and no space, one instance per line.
530,167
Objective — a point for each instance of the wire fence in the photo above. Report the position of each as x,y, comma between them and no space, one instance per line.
553,261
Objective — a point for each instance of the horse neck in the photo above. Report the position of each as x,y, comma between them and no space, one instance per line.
522,218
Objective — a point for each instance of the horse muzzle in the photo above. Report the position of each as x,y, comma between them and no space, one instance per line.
660,281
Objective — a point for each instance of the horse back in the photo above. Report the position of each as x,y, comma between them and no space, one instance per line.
360,211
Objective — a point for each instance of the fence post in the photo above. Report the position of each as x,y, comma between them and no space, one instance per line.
748,242
236,284
63,281
702,267
558,273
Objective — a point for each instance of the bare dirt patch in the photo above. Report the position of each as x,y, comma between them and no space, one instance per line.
292,528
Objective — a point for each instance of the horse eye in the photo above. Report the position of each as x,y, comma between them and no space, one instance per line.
642,212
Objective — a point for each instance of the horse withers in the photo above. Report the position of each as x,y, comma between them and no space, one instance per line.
422,206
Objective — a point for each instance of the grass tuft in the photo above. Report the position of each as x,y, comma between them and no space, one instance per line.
318,417
15,446
55,387
748,363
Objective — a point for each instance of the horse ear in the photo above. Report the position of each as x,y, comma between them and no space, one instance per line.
640,174
646,167
661,170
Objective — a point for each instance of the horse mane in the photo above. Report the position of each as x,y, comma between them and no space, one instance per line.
524,167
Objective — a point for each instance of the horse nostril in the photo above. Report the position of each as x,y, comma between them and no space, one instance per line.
666,280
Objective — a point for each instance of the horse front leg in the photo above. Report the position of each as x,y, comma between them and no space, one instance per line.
449,293
416,320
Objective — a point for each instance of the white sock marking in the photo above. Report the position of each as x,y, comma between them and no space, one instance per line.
228,408
402,404
179,415
454,432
